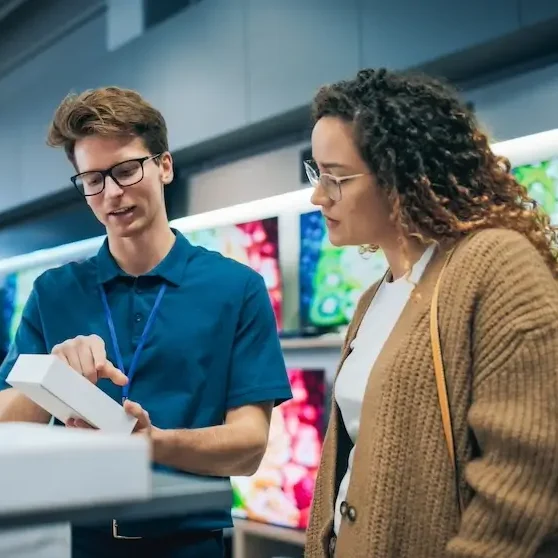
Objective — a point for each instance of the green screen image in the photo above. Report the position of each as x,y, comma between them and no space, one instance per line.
541,181
22,287
331,278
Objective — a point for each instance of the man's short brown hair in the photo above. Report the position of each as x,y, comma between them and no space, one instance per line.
110,112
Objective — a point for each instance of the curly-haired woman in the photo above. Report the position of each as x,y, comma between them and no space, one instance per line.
401,164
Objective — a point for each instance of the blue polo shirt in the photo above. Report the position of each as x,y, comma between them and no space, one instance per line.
213,345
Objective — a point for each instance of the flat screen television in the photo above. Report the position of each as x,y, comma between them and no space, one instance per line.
255,244
15,290
541,181
331,279
280,492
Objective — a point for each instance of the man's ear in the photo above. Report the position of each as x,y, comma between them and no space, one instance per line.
167,171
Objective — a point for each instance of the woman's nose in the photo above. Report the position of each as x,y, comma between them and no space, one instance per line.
319,196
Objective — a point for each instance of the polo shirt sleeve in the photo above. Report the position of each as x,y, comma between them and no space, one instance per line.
257,372
29,338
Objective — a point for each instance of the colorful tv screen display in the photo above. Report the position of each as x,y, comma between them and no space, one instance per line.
541,181
255,244
331,278
16,288
280,492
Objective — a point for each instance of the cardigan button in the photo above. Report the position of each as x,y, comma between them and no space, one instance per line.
351,514
343,508
331,546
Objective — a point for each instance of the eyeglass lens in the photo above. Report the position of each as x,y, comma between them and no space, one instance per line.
329,184
125,174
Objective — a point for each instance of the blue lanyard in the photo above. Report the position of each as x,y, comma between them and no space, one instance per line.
143,339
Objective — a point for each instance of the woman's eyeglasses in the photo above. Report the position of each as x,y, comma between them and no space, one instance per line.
330,183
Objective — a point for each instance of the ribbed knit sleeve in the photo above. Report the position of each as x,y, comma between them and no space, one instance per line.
513,413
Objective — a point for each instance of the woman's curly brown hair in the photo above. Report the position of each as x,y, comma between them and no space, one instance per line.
428,153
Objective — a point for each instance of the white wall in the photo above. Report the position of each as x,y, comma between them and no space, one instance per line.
256,177
519,105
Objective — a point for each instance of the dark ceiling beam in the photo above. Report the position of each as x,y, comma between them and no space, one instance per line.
9,6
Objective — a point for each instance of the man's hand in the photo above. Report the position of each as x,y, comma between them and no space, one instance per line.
87,355
143,426
235,448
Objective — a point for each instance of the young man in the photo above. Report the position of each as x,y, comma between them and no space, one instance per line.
186,336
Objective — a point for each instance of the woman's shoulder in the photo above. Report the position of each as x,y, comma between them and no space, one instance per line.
506,265
493,248
486,242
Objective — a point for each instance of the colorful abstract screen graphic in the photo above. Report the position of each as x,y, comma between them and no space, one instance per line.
255,244
541,181
280,492
331,278
16,288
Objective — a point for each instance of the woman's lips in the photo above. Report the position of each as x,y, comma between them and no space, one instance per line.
331,223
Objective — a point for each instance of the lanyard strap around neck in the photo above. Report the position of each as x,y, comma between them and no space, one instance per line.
119,361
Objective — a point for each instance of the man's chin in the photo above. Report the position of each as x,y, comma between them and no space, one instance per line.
127,231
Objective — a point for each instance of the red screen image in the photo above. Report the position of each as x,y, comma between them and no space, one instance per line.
255,244
280,492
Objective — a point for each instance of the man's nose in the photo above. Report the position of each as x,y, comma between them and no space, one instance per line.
112,189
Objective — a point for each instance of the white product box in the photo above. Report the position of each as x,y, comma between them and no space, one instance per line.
48,467
64,393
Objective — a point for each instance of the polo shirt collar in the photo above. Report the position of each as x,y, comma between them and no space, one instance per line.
171,268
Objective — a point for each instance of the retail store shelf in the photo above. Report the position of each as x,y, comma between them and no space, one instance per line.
173,495
266,531
253,539
330,341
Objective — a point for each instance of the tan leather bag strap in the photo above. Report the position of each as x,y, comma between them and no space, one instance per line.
441,384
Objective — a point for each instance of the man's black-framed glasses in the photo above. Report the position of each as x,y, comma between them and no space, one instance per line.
126,173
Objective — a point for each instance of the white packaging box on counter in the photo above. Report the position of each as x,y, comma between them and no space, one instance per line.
46,467
64,393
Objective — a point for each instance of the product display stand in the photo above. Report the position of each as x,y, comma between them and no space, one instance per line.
259,540
328,341
172,495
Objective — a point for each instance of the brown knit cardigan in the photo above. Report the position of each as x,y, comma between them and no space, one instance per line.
498,312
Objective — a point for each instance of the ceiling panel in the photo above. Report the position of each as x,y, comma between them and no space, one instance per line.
29,26
9,6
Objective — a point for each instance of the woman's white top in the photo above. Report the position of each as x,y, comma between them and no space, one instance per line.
374,330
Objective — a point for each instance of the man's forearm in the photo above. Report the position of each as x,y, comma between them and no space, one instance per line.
16,407
223,451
